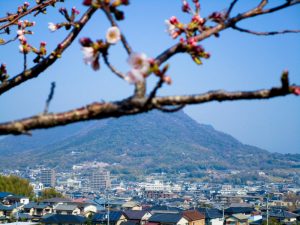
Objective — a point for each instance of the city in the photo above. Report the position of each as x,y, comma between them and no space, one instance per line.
90,194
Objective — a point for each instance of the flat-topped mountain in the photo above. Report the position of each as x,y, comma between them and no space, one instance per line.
149,142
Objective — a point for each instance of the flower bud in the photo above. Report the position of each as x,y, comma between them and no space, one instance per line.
173,20
85,42
87,2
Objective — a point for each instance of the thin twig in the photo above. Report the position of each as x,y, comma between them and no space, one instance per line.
25,61
112,68
11,40
154,91
264,33
231,8
170,110
18,16
50,97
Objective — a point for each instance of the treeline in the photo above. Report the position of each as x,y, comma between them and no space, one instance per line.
16,185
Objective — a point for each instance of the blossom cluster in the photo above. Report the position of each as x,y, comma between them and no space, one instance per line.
196,26
24,47
138,62
91,50
23,8
22,25
70,19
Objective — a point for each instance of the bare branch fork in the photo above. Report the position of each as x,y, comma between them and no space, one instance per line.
138,102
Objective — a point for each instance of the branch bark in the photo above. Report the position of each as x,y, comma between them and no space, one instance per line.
132,106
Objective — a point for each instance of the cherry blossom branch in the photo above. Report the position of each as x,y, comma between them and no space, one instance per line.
50,59
132,106
230,22
18,16
264,33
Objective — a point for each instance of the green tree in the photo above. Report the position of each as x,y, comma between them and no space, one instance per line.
272,221
50,193
16,185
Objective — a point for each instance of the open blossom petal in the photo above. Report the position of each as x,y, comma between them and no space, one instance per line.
52,27
113,35
88,55
21,48
134,76
171,29
139,61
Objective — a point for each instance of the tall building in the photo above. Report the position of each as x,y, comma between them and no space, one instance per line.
48,177
100,180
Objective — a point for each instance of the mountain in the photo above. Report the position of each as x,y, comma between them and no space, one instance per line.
150,142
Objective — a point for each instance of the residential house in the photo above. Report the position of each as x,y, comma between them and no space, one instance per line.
164,209
13,199
66,209
137,216
237,219
37,209
168,219
194,217
113,218
60,219
3,195
212,216
283,216
244,209
8,210
87,209
131,205
54,201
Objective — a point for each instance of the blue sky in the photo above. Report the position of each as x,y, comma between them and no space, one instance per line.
238,62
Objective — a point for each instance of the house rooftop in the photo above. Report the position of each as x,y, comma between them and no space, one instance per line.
165,217
210,213
192,215
65,207
63,219
134,214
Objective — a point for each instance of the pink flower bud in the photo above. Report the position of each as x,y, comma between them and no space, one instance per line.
197,19
125,2
87,2
26,4
173,20
62,10
75,11
85,42
185,7
167,79
192,41
43,44
296,90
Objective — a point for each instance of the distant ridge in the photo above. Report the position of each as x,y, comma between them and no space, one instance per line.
145,143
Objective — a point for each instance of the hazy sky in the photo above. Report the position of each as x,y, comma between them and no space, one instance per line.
238,62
